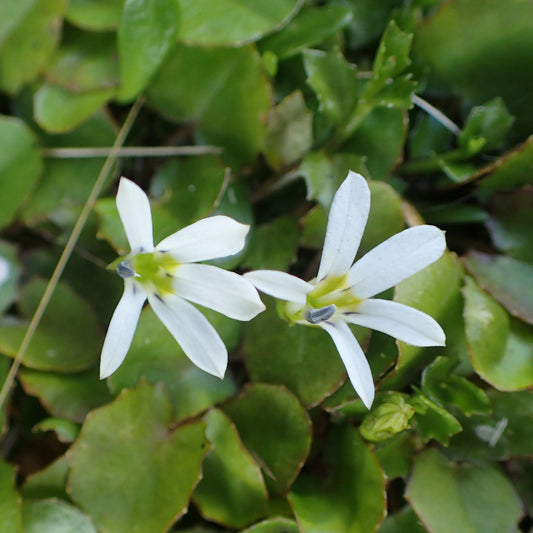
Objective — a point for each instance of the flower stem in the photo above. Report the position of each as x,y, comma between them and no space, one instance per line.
130,151
439,116
69,247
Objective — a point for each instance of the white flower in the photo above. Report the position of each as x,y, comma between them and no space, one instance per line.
342,293
168,275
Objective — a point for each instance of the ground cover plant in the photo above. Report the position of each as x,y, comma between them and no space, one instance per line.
307,306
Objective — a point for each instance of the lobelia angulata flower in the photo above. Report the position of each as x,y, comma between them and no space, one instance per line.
169,276
342,292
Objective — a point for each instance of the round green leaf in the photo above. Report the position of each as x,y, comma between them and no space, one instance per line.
274,244
156,356
232,22
56,191
467,497
347,494
129,460
232,491
20,166
506,279
10,518
147,30
225,93
50,482
95,15
304,359
68,338
29,45
85,62
435,291
501,348
54,516
69,396
58,110
275,429
65,430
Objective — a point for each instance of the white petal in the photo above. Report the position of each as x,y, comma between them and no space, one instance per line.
346,224
400,321
196,336
134,210
353,358
121,328
280,285
396,259
209,238
220,290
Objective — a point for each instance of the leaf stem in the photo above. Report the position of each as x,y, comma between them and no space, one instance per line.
130,151
69,247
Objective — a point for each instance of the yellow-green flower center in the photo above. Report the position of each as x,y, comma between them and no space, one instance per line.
323,301
153,270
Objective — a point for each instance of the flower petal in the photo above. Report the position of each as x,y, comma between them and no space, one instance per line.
280,285
220,290
400,321
209,238
121,328
193,332
353,358
396,259
346,224
134,210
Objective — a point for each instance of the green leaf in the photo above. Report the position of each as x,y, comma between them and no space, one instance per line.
323,174
311,26
11,13
54,516
189,188
488,123
392,57
334,81
59,111
435,291
501,348
147,31
20,166
262,413
505,279
94,15
135,430
475,497
274,244
510,222
54,346
274,525
28,45
56,191
50,482
508,172
213,22
85,62
225,93
448,389
347,496
304,359
232,491
380,139
156,356
289,131
65,430
69,396
484,60
432,421
394,455
10,517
